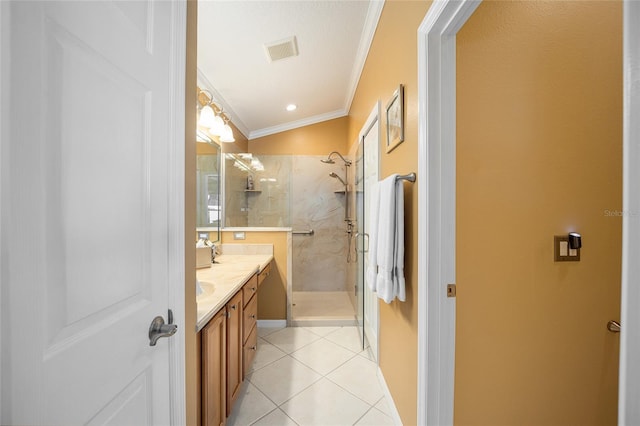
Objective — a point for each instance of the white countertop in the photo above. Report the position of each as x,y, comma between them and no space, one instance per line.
225,277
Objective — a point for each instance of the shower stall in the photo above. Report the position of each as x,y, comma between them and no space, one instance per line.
309,194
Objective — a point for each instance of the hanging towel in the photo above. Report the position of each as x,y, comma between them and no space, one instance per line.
389,241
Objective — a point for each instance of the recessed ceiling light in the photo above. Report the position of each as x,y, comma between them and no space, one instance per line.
292,107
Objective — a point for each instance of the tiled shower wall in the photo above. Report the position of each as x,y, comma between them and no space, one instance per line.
320,260
296,191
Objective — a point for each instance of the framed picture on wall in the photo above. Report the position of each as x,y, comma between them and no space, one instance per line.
395,119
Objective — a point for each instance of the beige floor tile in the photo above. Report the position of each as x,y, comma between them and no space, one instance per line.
265,355
291,339
323,356
347,337
375,417
283,378
325,404
249,407
275,418
383,405
265,331
322,331
358,376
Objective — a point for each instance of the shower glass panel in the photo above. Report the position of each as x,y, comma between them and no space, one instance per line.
257,190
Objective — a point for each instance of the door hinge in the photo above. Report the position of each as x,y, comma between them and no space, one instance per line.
451,290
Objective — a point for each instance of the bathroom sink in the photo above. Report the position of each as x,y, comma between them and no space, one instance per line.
207,290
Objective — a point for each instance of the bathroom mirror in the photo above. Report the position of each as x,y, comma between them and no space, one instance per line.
209,207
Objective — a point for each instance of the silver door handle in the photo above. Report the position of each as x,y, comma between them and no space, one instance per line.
365,248
613,326
159,329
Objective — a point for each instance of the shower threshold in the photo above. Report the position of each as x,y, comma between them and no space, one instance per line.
322,308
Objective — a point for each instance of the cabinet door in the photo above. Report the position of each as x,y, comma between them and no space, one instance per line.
214,381
234,349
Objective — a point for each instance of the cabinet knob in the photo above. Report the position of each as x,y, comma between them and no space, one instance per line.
234,307
253,348
253,317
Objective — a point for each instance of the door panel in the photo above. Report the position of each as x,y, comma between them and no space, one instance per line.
87,224
538,155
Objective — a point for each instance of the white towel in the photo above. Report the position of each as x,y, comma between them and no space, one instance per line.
389,240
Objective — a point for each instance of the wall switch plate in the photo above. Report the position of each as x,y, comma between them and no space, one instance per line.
562,252
203,235
238,235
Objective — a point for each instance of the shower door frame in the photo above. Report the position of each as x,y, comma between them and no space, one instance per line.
370,316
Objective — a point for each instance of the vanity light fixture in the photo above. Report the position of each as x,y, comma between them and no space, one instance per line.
227,133
212,117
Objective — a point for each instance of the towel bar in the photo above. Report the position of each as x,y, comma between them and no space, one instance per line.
309,232
411,177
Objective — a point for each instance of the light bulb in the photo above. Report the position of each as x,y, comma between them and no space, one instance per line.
227,134
207,116
217,127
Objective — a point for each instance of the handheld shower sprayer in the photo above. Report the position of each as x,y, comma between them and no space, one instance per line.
334,175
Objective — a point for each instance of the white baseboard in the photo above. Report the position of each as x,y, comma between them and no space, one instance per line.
272,323
395,416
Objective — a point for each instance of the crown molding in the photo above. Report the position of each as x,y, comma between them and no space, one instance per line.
366,39
297,124
204,83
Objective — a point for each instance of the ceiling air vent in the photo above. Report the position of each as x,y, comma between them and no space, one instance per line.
281,49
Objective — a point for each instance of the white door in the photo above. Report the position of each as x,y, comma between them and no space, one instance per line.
92,180
371,144
629,386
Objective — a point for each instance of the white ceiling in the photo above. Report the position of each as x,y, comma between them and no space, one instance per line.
333,39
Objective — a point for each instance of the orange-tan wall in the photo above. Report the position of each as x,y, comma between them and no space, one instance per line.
393,60
539,153
192,353
272,295
316,139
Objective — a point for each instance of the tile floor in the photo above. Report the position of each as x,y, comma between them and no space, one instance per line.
311,376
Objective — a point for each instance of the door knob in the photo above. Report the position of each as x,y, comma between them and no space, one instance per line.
613,326
159,329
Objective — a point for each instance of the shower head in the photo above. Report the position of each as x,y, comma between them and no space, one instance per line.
329,160
333,175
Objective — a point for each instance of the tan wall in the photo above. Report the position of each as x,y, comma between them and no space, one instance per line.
192,353
272,296
316,139
393,60
539,153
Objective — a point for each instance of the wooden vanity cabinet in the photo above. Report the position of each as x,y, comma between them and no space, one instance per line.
264,273
234,349
250,319
214,370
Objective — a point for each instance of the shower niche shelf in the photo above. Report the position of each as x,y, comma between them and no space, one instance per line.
253,191
340,192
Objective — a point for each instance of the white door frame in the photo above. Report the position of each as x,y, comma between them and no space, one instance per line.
437,207
629,383
176,214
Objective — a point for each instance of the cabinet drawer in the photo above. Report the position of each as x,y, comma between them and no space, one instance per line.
250,288
264,273
250,317
250,348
